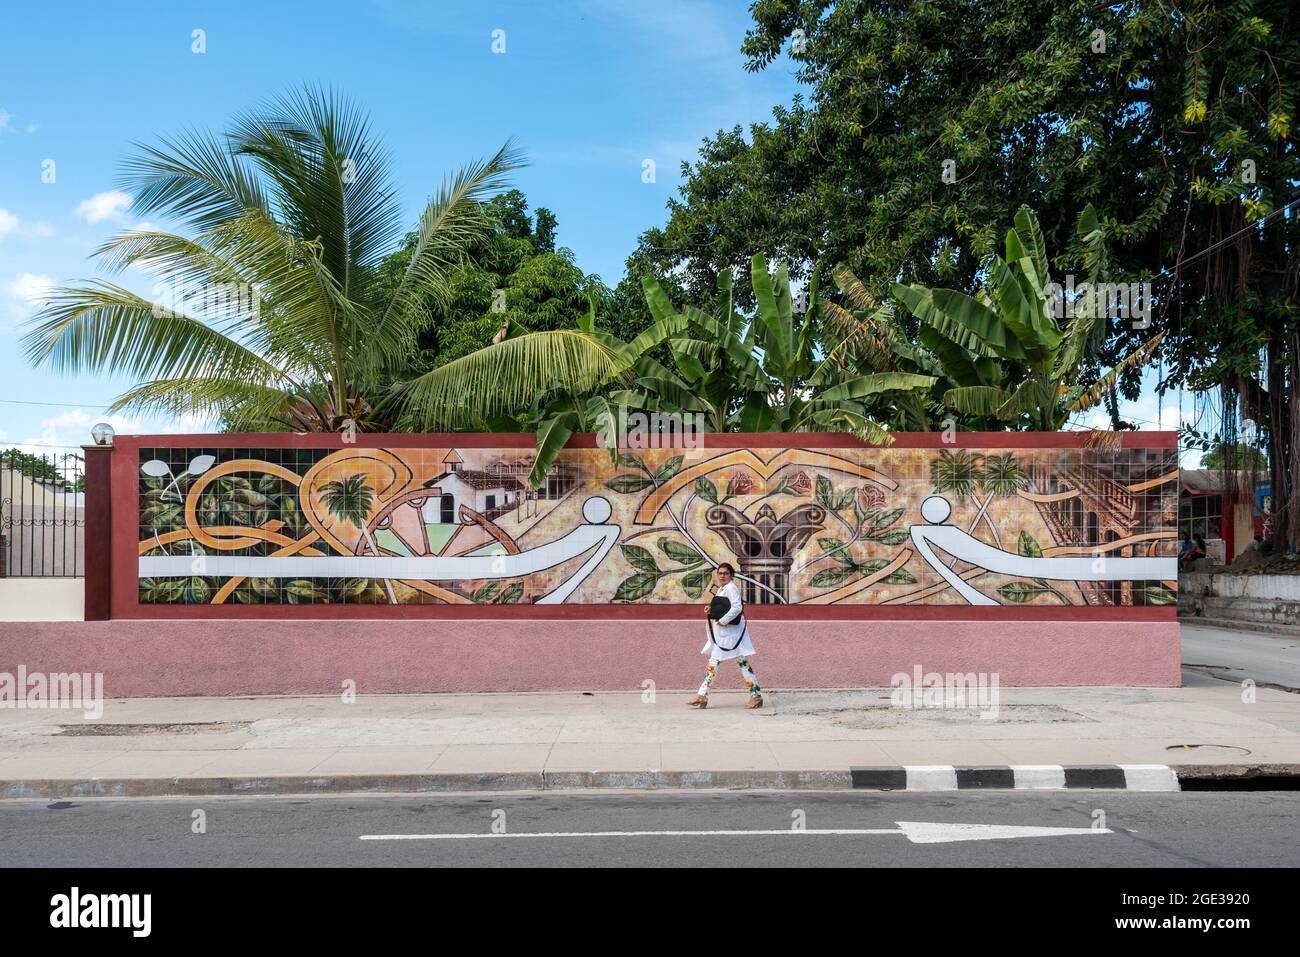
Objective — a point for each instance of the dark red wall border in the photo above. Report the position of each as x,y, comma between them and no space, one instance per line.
712,440
124,517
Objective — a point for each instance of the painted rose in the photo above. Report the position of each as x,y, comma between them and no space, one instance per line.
870,497
739,484
799,483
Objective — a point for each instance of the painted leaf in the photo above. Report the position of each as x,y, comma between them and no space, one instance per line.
626,484
1159,596
630,461
486,592
196,591
201,463
669,468
900,577
1028,547
155,468
693,582
511,594
300,590
825,493
1021,592
636,587
354,588
831,576
641,558
706,490
873,566
885,519
891,538
834,547
681,554
846,498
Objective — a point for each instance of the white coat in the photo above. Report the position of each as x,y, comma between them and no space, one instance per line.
730,627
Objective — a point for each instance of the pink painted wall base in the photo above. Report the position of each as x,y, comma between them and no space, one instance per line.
182,657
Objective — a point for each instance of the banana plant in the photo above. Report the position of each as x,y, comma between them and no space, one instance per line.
713,354
1009,337
800,391
867,336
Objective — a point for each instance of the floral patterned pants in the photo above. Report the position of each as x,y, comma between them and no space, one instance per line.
746,672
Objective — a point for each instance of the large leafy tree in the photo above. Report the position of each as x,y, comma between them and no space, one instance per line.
284,224
515,275
1018,364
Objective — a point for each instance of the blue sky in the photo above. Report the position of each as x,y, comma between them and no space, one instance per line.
590,89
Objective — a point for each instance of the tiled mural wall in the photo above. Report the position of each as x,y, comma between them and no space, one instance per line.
884,526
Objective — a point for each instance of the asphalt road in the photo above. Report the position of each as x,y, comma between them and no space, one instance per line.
1165,830
1234,655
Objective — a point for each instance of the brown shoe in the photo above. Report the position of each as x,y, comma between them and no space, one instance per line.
754,702
700,701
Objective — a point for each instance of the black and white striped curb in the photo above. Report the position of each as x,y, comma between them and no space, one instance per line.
1031,777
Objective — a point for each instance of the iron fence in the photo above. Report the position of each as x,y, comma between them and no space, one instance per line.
42,515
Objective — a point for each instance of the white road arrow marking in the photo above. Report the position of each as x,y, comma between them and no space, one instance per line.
918,832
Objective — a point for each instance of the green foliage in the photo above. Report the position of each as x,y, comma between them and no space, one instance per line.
286,222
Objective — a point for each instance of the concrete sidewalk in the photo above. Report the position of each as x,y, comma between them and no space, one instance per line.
441,742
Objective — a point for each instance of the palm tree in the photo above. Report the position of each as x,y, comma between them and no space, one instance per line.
279,321
1031,368
350,500
570,380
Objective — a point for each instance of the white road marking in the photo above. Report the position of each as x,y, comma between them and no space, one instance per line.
918,832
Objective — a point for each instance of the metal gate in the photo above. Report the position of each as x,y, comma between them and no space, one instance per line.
42,515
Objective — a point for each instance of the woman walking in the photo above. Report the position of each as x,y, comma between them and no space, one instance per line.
728,638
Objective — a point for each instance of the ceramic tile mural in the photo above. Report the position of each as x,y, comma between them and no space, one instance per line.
887,526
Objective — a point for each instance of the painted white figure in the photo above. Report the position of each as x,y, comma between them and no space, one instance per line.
729,639
960,544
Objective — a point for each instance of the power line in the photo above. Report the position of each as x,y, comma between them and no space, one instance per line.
70,405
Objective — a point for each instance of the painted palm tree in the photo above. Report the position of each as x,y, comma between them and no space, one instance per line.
350,500
278,319
962,473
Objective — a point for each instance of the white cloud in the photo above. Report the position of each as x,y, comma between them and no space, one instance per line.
31,287
25,291
102,206
6,120
72,428
8,222
31,127
42,229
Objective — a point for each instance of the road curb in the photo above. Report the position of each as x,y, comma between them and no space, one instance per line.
1021,777
1039,777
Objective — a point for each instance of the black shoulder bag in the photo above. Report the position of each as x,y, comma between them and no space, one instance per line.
718,609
